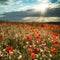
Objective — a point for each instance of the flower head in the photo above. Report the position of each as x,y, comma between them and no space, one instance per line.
9,48
55,43
37,37
36,49
53,49
1,36
30,50
28,38
32,55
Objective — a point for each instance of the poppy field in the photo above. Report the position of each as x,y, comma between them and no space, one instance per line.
29,41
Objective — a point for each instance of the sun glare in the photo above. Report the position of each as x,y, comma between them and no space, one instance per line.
42,7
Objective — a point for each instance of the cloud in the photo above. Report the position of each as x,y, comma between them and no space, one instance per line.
14,2
54,5
47,1
18,5
53,1
10,2
3,2
17,11
43,1
30,13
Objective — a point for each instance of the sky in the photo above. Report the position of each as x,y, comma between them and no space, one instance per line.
30,8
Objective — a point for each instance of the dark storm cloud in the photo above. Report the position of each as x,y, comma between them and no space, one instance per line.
3,2
55,12
20,16
53,1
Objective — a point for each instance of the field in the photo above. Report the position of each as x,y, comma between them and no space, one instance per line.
29,41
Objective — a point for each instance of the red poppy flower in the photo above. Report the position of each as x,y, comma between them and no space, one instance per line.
54,35
55,43
37,37
32,31
28,38
32,55
9,48
37,32
53,49
59,33
36,49
30,50
1,36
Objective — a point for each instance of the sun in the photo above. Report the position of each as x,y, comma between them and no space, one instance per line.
42,7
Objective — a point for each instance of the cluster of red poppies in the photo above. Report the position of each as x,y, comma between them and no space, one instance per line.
36,41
